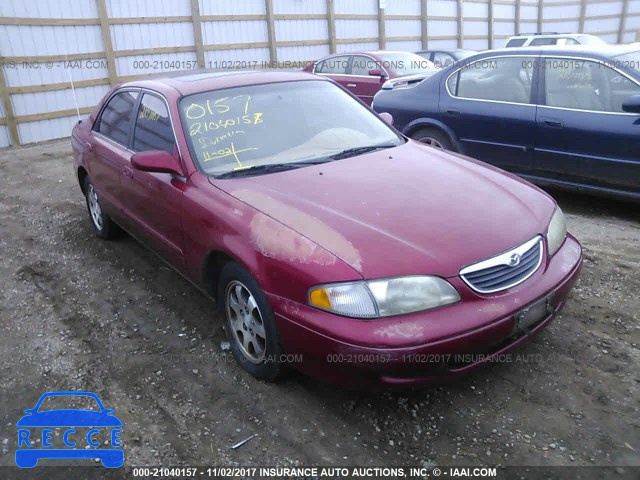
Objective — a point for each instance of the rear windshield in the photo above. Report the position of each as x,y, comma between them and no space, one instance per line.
628,60
591,40
405,63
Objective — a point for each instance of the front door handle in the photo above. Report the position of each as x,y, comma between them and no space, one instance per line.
351,85
127,172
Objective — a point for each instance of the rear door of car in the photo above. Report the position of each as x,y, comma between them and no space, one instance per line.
361,84
153,201
490,106
108,152
583,136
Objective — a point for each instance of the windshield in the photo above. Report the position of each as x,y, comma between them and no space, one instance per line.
405,63
629,60
277,123
64,402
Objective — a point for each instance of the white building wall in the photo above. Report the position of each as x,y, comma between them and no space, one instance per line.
232,40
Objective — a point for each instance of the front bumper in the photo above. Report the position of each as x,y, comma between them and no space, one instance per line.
425,347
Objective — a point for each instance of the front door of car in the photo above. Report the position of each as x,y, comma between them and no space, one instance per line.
152,202
583,135
107,152
489,105
336,68
362,84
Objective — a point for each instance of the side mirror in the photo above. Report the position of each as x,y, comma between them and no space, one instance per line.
376,72
29,410
387,117
632,104
156,161
109,411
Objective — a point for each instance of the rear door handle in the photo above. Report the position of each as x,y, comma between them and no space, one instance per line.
88,146
453,112
127,172
552,123
351,85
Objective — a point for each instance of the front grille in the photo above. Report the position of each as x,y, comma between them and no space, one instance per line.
505,270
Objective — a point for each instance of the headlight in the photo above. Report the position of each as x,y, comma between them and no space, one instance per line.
383,298
557,231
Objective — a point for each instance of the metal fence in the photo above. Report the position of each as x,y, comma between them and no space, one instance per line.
45,45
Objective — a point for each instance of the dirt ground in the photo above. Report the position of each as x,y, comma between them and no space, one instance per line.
79,313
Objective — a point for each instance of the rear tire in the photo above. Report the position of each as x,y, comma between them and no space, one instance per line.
434,138
249,323
102,224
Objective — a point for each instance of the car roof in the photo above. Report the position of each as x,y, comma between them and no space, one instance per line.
602,51
447,50
373,53
542,35
203,80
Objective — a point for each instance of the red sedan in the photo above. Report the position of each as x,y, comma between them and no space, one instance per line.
363,73
332,243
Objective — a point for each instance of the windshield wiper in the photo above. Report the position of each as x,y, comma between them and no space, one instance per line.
268,168
352,152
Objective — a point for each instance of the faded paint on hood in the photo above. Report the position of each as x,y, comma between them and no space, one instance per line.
407,210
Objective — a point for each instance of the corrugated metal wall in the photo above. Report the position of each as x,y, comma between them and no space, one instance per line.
44,45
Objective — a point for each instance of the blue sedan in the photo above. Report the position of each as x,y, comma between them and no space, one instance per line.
565,116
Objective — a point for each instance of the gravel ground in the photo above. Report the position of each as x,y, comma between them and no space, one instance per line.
78,313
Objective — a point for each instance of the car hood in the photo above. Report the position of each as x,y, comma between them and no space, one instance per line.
402,211
69,418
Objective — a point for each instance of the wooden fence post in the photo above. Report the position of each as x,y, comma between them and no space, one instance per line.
331,21
623,18
197,31
583,10
382,41
8,110
460,25
490,24
106,39
271,32
425,28
540,14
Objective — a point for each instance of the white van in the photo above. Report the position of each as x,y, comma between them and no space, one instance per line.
553,38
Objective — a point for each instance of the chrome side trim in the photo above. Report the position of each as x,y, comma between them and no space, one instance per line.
503,259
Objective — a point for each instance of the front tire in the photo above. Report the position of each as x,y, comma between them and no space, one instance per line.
249,324
102,224
434,138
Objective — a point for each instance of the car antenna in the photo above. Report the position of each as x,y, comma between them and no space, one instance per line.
73,89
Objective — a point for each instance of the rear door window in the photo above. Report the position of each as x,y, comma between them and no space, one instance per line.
505,79
115,120
361,65
333,66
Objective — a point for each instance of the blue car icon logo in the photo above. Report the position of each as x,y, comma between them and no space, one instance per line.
85,433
